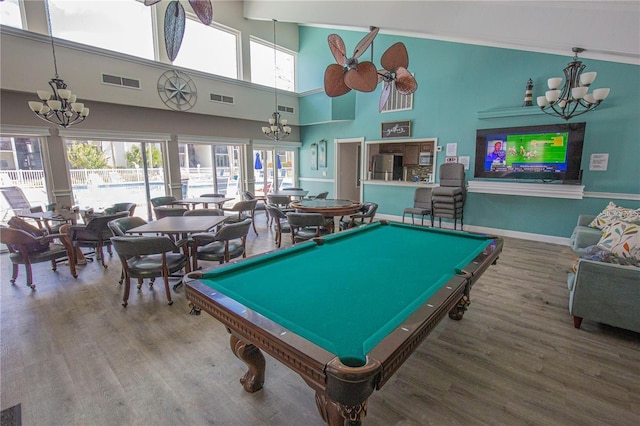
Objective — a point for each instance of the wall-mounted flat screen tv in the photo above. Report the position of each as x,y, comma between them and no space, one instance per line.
547,152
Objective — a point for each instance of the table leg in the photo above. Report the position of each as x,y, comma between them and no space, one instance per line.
335,414
253,379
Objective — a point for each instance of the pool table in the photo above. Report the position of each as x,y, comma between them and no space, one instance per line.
344,311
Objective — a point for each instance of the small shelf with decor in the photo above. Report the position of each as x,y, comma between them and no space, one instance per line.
509,112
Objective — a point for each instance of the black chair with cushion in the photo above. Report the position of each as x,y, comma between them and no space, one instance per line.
163,201
367,211
245,210
27,249
320,196
204,212
95,234
148,257
260,204
448,199
121,207
280,219
305,226
421,205
226,244
166,211
119,228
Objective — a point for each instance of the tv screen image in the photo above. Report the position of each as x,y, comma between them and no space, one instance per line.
547,152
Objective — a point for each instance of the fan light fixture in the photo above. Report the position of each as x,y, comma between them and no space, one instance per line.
58,106
572,99
277,128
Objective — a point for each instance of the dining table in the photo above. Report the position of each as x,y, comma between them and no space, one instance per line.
181,226
332,208
295,193
44,218
205,201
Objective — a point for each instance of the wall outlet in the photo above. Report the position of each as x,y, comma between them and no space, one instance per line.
324,173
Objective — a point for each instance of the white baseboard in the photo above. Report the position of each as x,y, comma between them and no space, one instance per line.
494,231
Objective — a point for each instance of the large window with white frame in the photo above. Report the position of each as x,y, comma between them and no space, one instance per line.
123,26
107,172
10,13
212,49
269,71
207,168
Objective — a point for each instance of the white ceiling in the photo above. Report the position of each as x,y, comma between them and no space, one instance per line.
609,30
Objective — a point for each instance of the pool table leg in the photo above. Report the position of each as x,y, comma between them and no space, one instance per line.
335,414
253,379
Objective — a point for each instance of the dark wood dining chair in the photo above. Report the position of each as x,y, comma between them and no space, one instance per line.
280,219
305,226
227,243
148,257
26,249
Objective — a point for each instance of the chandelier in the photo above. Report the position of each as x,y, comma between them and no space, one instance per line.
572,99
277,128
58,106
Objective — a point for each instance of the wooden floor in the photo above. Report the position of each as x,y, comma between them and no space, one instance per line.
72,355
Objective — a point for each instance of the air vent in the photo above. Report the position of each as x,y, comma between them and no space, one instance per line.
223,99
283,108
115,80
397,101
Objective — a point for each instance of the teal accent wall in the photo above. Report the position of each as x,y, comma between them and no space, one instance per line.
455,82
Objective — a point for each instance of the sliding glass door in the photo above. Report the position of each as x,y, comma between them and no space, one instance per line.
210,169
107,172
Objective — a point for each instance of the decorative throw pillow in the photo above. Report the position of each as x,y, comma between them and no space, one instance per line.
621,239
613,213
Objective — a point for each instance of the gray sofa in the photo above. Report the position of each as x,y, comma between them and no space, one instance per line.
603,292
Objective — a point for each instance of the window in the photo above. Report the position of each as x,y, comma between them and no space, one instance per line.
264,170
10,13
104,173
123,26
21,165
208,49
263,68
209,169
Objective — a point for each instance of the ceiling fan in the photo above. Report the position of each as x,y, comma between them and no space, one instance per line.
174,22
348,73
395,61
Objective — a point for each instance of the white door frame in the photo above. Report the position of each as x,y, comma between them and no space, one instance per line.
337,162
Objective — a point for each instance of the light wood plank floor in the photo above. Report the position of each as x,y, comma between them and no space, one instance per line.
72,355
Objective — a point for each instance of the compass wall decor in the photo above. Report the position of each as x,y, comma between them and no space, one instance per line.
177,90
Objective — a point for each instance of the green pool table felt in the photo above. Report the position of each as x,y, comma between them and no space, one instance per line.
347,294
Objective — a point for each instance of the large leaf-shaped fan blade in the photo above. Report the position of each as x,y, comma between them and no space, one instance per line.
365,43
150,2
174,20
395,57
386,91
334,81
203,9
406,84
364,78
337,48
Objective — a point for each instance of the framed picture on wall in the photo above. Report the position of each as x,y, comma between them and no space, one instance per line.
314,156
322,153
395,129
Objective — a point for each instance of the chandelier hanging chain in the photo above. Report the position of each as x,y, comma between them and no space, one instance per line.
277,128
59,105
53,46
275,66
